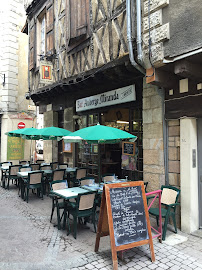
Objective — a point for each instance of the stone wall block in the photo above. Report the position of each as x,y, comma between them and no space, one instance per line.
161,158
146,103
172,153
157,115
174,166
147,116
153,131
156,102
174,123
154,5
157,35
171,139
153,180
151,157
156,144
156,57
154,169
174,179
146,144
177,141
171,144
155,20
149,91
174,131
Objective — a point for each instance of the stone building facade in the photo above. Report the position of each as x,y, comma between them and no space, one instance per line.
13,76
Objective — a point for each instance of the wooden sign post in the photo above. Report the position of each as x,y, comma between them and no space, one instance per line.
124,216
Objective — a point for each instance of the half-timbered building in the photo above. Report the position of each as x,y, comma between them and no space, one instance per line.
133,65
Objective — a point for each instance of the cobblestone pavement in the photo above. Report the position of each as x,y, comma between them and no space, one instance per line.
30,242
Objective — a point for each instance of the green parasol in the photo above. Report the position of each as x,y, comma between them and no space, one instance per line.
51,133
21,132
99,134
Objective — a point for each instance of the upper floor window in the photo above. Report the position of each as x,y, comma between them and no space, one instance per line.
78,22
41,36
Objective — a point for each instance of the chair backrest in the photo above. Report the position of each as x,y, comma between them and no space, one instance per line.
87,181
86,201
54,165
14,169
108,177
39,161
81,173
35,167
169,195
5,163
63,166
59,184
45,167
25,169
23,162
35,178
58,174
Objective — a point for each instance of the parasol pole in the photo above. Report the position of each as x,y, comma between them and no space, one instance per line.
99,163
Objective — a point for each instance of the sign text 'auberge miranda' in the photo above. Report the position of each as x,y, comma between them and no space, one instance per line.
121,95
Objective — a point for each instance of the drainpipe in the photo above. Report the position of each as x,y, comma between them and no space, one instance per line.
129,35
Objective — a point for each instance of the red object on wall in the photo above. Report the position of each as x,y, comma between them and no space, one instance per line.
21,125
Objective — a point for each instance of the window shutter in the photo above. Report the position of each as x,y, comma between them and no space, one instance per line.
50,28
78,19
32,46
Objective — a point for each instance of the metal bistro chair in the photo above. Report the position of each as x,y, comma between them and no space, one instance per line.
169,201
4,173
47,177
12,174
34,181
80,173
57,185
63,166
108,177
83,207
54,165
86,181
39,161
35,166
23,162
21,182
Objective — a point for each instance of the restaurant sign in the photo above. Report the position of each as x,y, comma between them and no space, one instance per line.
118,96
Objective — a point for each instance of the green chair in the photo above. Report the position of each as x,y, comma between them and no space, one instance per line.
56,201
12,174
88,180
4,173
34,181
169,201
108,177
83,207
80,173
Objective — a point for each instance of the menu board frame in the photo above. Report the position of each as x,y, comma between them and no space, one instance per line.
123,148
106,221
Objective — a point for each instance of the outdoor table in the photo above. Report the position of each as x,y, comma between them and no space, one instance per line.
94,187
67,194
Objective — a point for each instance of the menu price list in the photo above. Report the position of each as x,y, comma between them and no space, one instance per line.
129,221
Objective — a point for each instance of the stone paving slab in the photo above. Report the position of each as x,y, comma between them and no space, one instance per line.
30,242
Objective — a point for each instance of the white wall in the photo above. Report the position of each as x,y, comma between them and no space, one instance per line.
188,176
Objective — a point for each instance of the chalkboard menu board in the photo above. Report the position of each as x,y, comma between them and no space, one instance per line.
128,215
124,216
128,148
87,149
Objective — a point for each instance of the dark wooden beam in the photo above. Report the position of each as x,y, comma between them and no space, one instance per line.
162,78
188,69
